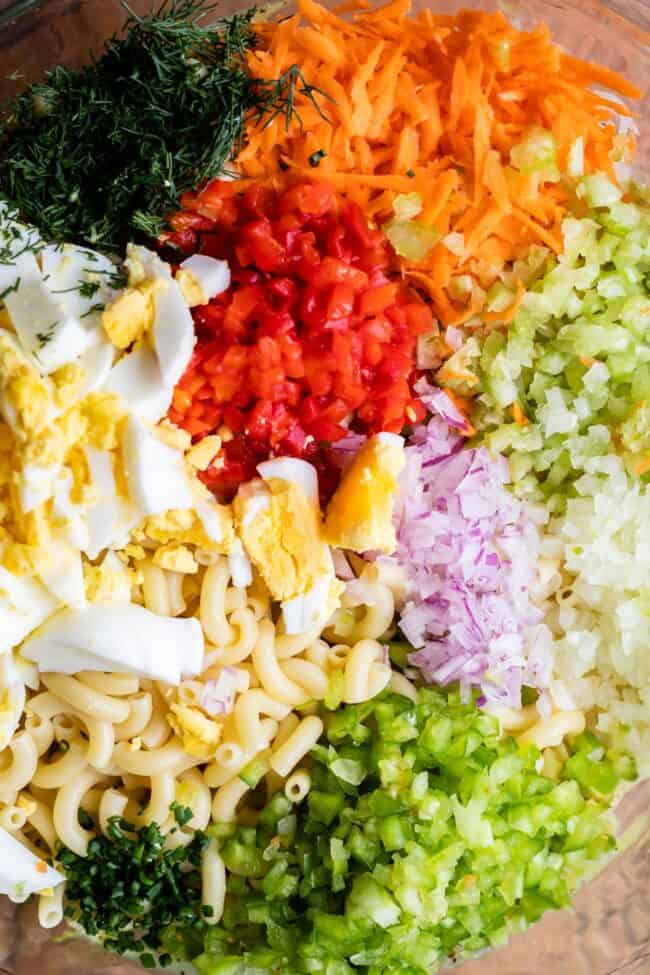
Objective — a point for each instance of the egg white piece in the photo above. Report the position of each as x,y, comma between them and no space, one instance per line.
12,705
155,472
309,610
46,329
14,670
212,275
63,575
102,517
22,873
210,519
74,530
173,333
241,571
37,484
24,604
292,469
121,637
96,363
79,278
141,262
138,381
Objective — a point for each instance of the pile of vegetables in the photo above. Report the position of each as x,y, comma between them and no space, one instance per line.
101,154
426,835
313,338
569,382
469,550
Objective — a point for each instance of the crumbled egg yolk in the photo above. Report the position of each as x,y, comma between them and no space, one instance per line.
104,582
203,453
360,514
200,735
183,526
176,558
131,315
191,288
281,530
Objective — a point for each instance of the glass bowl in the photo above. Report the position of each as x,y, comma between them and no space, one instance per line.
608,931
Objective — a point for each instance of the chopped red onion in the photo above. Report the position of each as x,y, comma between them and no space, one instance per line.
219,695
470,551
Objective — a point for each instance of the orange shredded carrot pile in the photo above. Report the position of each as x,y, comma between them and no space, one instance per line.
433,105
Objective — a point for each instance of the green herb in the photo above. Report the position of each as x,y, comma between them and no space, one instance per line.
410,173
182,814
104,153
9,289
131,887
315,158
426,835
46,335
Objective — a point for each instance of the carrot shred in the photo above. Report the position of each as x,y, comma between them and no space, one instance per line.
426,104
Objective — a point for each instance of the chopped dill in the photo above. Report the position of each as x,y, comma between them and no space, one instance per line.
46,335
102,154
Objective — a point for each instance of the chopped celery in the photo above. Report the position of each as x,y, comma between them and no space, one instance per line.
451,841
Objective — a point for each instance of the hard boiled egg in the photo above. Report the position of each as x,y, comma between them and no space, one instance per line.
138,381
155,472
24,604
21,872
121,637
279,523
360,514
202,278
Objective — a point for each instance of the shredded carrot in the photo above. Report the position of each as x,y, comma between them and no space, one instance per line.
643,467
429,105
41,866
506,316
519,416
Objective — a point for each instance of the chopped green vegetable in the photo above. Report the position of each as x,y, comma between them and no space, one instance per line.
576,359
449,841
130,888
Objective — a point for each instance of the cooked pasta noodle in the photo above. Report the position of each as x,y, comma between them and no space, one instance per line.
148,762
212,604
154,589
64,768
140,712
50,907
40,819
285,758
66,810
213,882
84,699
113,803
22,765
247,713
117,685
41,730
177,604
12,818
357,674
161,796
297,785
274,681
226,800
307,675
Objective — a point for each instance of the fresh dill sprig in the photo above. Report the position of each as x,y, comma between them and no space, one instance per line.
102,154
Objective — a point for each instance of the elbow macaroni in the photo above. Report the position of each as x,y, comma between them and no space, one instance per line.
109,744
